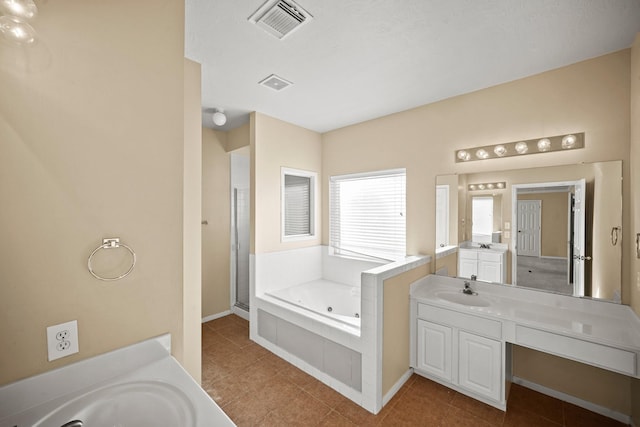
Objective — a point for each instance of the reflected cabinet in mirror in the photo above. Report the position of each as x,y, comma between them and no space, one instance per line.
555,229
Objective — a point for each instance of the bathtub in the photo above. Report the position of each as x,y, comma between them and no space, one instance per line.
329,299
291,293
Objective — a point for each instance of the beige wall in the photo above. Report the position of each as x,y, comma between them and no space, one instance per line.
395,326
635,203
216,235
276,144
92,131
192,252
592,97
599,386
553,233
450,262
238,138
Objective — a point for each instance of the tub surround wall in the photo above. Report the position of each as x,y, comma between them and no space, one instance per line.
395,330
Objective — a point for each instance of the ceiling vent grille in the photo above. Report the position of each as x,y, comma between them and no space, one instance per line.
280,18
275,82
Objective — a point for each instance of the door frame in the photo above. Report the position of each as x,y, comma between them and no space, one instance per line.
514,216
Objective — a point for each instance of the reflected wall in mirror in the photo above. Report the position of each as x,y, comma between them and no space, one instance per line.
557,228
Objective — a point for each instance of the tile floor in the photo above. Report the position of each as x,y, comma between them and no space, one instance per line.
256,388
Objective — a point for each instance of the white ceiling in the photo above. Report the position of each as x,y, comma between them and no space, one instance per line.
362,59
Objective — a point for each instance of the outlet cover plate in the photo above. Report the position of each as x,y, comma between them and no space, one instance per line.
62,340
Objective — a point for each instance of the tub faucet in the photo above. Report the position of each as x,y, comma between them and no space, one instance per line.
474,277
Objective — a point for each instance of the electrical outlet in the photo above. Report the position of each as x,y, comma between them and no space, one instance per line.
62,340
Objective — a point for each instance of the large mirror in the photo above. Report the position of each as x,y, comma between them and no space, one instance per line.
554,229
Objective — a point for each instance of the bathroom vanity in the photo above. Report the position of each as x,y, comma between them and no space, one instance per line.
464,341
488,264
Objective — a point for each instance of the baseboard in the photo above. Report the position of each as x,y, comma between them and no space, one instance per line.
554,257
397,386
623,418
216,316
240,312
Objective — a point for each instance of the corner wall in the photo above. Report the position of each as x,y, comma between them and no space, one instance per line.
216,234
92,142
276,144
634,157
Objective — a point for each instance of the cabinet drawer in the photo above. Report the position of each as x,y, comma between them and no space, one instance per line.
489,256
479,325
587,352
468,254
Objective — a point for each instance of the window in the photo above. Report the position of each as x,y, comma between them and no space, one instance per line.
298,192
482,219
442,216
367,217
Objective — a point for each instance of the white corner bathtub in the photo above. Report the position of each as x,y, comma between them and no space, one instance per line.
329,299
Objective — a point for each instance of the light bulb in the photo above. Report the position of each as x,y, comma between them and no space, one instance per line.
568,142
500,185
219,118
521,147
482,154
14,30
490,186
500,150
464,155
544,144
472,187
480,186
22,9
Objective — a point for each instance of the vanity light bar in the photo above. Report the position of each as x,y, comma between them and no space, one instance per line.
487,186
531,146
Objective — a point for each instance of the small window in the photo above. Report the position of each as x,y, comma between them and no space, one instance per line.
367,217
298,204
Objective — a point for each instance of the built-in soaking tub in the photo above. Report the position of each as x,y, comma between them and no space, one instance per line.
324,314
330,299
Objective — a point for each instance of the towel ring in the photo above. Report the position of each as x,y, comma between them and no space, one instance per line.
111,244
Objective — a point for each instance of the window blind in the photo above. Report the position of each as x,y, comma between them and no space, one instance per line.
367,215
297,205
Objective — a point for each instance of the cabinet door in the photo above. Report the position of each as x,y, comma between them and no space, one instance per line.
434,349
479,365
467,267
490,271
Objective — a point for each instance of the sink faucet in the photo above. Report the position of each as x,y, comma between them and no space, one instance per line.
467,289
485,246
474,277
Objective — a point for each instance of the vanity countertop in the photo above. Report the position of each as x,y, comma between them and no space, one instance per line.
589,320
492,247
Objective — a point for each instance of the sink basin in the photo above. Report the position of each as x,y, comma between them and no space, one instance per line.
463,299
145,403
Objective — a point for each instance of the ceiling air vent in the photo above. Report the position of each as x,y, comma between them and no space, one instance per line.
274,82
280,18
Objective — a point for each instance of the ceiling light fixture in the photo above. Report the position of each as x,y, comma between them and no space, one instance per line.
219,118
23,9
17,31
531,146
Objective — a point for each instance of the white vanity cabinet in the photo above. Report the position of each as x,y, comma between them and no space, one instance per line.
486,265
462,351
